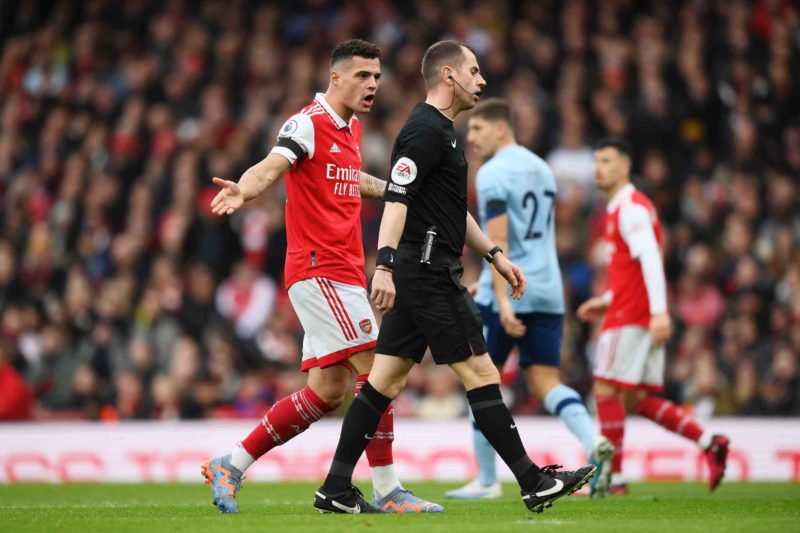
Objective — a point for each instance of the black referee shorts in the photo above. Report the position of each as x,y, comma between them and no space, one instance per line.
433,309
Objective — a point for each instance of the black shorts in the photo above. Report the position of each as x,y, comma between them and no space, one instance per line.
432,309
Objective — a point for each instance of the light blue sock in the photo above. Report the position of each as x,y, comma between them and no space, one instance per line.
567,404
485,455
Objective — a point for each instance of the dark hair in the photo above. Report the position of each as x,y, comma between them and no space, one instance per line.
439,54
494,110
354,48
622,146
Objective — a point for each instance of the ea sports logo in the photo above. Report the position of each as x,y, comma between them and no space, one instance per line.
404,171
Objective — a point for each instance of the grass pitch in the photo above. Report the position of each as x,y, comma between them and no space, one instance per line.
266,507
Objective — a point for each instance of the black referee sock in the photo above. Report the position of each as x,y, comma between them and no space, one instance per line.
358,427
495,422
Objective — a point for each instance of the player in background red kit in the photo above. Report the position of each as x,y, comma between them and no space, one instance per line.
319,150
629,364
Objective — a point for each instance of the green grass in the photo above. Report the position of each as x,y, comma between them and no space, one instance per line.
674,507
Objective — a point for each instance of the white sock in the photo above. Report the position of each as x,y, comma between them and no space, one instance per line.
705,440
384,480
617,479
240,459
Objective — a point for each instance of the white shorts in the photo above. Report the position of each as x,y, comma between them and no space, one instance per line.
337,320
627,359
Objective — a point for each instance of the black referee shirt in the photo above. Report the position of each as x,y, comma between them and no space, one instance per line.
429,175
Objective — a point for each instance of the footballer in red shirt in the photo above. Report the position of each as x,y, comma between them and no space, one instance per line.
319,151
629,362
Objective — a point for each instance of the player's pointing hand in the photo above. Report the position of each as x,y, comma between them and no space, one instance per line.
228,199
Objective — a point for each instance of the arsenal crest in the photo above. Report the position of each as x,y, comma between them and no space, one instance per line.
366,326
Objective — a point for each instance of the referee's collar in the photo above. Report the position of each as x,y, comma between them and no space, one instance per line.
339,121
440,111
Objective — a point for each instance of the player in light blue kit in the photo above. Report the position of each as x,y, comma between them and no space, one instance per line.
516,199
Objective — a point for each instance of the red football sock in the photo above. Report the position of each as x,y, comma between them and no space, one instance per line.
668,415
611,413
379,451
286,419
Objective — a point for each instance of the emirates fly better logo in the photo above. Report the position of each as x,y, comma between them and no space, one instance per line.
404,171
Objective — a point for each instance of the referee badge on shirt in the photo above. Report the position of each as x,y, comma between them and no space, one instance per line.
404,171
366,326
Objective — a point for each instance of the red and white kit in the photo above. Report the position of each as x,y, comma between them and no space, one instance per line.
325,256
626,356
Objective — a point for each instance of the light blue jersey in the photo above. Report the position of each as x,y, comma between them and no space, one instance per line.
519,181
520,184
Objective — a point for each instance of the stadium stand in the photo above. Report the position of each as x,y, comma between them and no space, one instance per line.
123,297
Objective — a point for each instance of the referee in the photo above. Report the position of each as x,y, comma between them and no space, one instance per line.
417,286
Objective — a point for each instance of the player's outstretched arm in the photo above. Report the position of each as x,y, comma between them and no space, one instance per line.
371,187
392,224
482,245
253,182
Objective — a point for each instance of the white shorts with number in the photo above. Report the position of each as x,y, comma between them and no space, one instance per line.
626,358
337,320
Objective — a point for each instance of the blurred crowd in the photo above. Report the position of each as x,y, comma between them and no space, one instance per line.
123,297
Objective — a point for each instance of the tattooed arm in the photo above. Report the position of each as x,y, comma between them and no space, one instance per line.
253,182
372,187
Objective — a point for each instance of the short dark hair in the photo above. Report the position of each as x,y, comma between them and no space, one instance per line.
621,145
439,54
354,48
494,110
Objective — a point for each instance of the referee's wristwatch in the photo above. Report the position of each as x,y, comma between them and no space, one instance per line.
493,252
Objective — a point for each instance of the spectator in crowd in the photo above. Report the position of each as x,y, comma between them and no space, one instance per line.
16,400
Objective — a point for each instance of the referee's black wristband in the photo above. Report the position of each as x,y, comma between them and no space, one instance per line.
386,257
491,253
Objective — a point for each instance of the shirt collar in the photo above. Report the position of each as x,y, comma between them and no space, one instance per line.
440,112
339,121
619,197
505,149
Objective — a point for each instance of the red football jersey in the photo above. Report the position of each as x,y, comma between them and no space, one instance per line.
627,215
323,198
